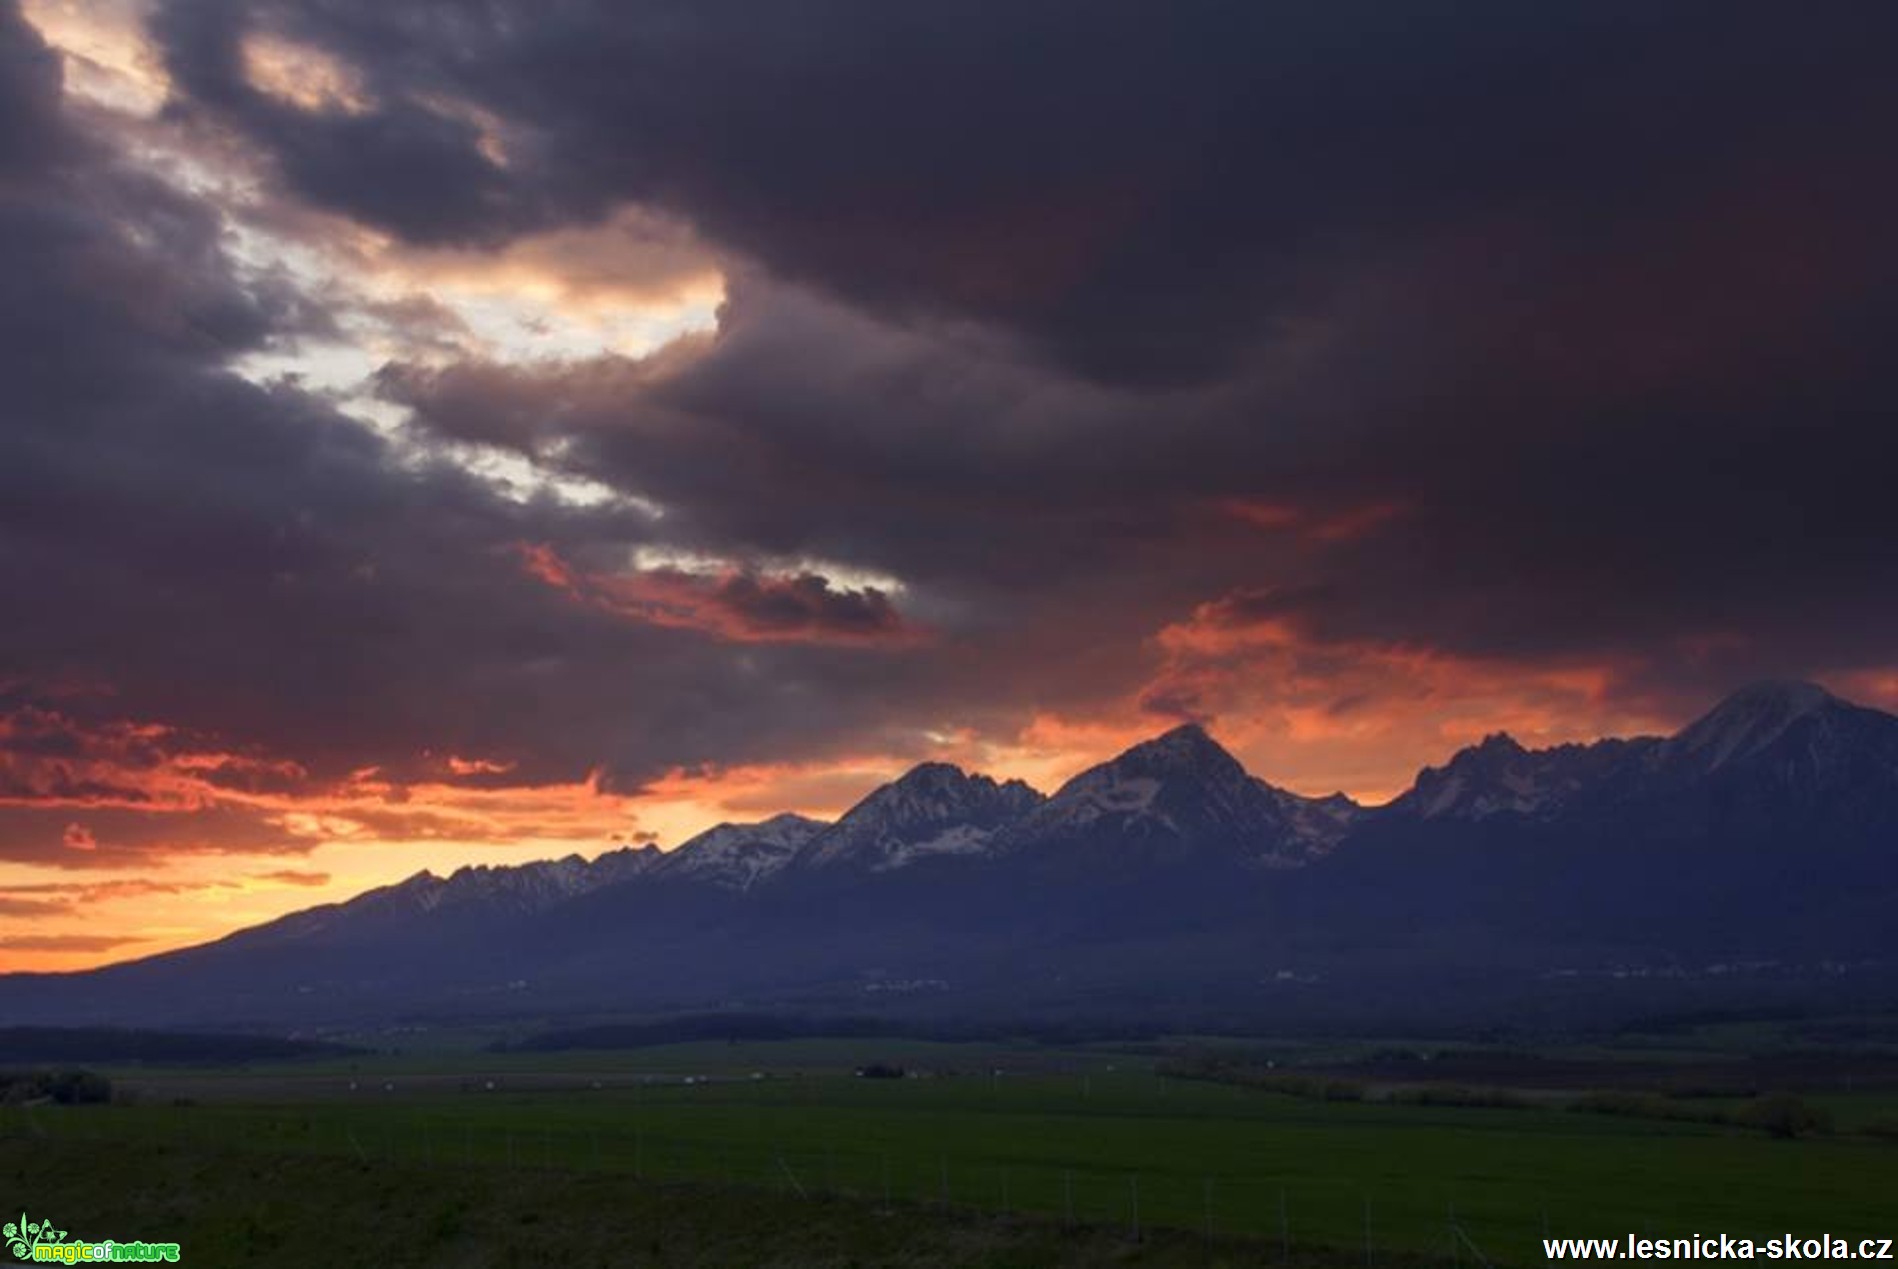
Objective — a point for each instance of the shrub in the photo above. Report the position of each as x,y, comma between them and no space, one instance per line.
1780,1114
1886,1128
1457,1095
1645,1106
1225,1070
74,1088
1784,1116
68,1088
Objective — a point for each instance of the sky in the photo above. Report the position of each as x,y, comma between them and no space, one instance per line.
466,433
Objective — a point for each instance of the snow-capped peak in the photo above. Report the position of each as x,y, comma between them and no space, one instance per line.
624,864
1184,748
474,891
737,856
1182,791
1315,824
1499,776
933,809
1747,722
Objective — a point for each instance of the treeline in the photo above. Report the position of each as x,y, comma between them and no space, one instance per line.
753,1027
55,1045
1777,1114
1247,1073
67,1088
1318,1087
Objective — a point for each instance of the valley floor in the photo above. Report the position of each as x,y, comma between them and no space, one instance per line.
763,1160
234,1208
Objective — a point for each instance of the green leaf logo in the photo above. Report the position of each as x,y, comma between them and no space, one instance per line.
22,1237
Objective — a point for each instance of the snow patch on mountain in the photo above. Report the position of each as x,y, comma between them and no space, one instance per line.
1316,824
1746,723
1105,791
1183,791
1501,777
934,809
738,856
962,839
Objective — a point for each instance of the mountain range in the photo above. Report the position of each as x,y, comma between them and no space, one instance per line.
1761,840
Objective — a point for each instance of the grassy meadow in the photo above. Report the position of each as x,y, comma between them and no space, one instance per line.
1009,1137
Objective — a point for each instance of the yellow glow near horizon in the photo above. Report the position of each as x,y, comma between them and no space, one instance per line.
363,833
122,913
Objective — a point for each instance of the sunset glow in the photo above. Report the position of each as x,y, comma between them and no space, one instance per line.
428,445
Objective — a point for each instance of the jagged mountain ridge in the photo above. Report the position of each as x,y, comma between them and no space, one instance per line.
739,856
1769,827
477,890
933,809
1178,796
1501,777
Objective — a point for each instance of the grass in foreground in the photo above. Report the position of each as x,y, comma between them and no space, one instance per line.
1192,1156
239,1209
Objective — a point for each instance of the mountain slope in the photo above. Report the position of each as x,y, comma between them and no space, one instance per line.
1764,832
1500,777
738,856
933,810
1178,797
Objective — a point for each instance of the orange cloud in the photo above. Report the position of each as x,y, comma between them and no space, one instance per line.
1346,525
478,766
302,75
63,943
1362,715
295,877
122,772
1877,687
733,604
131,799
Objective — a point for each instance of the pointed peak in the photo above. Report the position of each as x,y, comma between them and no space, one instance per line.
1749,720
1758,707
1185,756
934,774
1184,734
790,819
1500,742
1793,696
1185,745
786,826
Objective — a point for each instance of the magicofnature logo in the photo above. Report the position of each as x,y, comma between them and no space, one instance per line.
39,1241
25,1237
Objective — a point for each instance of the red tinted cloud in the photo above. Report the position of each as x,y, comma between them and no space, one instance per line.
1319,712
295,877
106,793
735,605
1346,524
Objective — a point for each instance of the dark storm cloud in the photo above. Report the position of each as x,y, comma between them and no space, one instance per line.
1141,192
1600,288
208,577
1510,331
402,165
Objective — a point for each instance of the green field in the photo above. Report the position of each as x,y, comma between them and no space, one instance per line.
1057,1137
